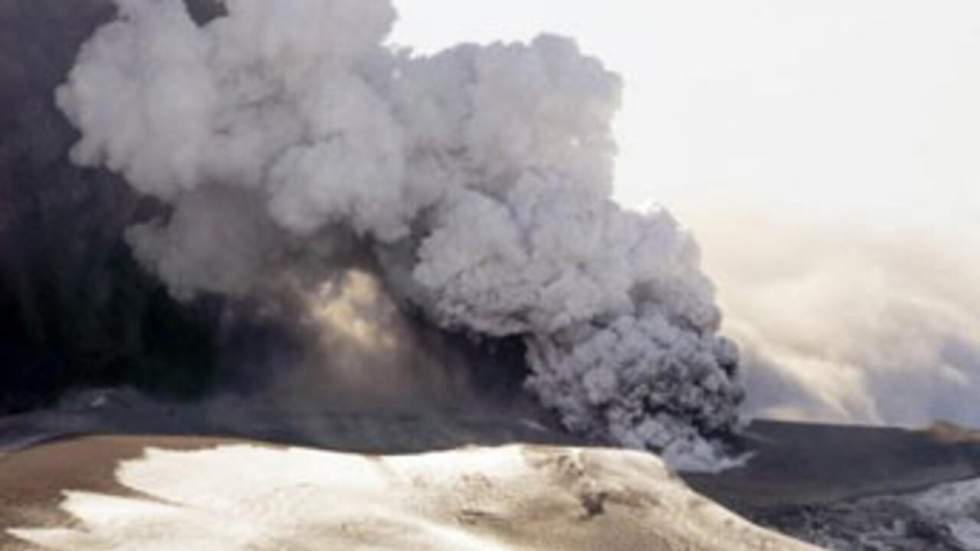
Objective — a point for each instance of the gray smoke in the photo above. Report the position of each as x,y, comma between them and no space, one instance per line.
284,132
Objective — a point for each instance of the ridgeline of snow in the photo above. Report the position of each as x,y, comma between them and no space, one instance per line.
237,497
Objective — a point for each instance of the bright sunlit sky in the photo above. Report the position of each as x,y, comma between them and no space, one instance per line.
871,106
826,155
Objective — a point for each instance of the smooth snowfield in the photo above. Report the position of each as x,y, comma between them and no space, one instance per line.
243,496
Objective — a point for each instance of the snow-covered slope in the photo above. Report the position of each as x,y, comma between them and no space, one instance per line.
245,496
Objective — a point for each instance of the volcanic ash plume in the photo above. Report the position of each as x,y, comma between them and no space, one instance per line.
479,176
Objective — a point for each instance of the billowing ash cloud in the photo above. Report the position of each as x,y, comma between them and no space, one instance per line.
480,176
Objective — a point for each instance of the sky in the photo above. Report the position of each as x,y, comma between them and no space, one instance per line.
825,156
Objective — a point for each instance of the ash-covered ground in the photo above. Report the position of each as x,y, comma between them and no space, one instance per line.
390,431
857,488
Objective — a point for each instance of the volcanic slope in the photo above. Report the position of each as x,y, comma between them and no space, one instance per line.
150,493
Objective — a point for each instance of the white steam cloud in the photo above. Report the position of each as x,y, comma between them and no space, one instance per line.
851,322
481,175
